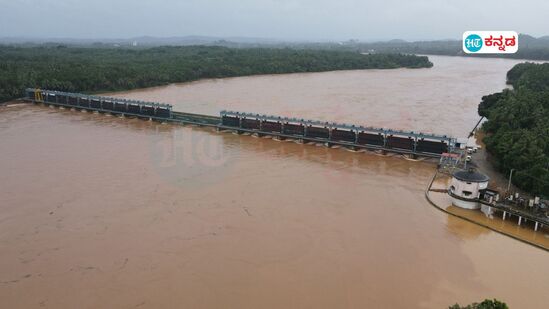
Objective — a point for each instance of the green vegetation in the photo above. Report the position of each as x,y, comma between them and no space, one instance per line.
518,127
110,69
486,304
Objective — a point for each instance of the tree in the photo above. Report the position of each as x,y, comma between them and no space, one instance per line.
518,127
486,304
92,69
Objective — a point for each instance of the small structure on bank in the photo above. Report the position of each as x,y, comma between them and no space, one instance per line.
467,187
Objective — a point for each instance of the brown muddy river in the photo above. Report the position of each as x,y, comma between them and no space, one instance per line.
102,212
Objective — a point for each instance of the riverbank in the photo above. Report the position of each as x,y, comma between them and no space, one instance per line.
483,162
13,102
517,125
115,69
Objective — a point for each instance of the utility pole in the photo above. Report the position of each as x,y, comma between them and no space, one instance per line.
510,176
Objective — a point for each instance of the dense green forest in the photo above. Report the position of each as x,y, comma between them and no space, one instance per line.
78,69
518,127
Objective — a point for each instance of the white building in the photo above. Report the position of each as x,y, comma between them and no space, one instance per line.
467,187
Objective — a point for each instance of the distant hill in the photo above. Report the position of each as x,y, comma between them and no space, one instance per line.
146,41
529,47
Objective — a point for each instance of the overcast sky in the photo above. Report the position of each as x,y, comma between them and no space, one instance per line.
278,19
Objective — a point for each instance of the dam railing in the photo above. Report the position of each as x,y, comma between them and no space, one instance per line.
328,133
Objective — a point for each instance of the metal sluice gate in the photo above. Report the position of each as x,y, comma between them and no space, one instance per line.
329,133
99,103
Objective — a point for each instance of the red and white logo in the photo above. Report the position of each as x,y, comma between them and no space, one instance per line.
490,42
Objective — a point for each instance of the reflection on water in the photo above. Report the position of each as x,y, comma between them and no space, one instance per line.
98,211
464,229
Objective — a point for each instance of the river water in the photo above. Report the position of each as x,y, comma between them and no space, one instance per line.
100,211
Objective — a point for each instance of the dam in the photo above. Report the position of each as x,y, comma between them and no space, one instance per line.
328,133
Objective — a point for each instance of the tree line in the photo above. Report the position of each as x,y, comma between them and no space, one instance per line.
518,127
78,69
486,304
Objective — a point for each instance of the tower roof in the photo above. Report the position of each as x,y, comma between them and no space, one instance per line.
471,176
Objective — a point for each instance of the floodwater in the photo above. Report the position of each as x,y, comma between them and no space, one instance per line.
442,99
103,212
